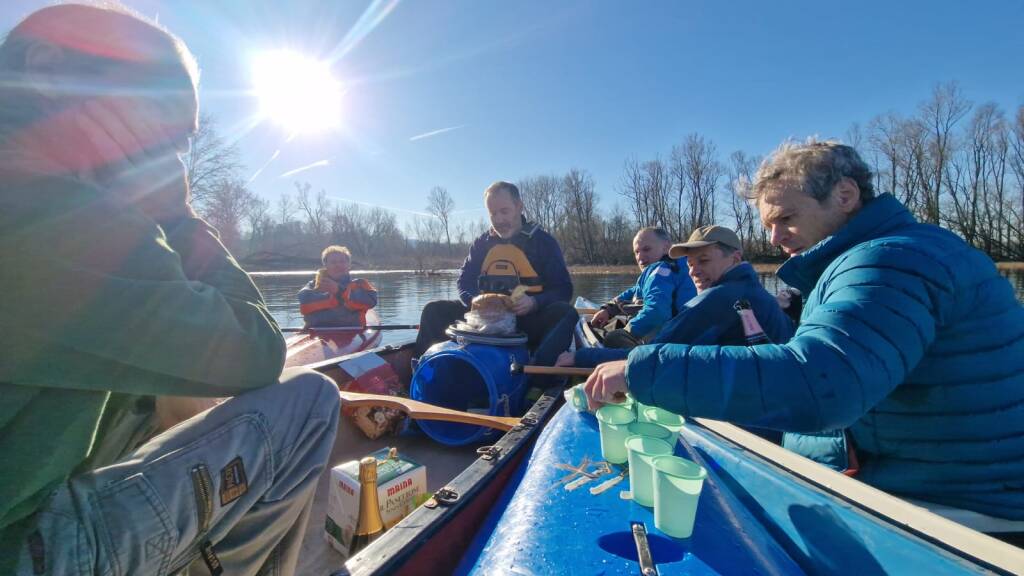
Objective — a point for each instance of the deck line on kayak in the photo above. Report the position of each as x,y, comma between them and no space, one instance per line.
966,541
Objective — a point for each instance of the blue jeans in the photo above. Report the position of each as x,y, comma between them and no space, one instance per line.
231,486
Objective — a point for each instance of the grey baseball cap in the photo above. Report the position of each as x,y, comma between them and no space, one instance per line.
706,236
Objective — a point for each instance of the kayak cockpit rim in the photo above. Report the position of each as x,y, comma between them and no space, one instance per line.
957,538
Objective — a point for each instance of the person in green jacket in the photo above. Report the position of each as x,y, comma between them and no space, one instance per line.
120,299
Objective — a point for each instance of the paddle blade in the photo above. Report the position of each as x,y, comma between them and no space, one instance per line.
423,411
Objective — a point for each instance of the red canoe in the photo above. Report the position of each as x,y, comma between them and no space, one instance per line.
315,346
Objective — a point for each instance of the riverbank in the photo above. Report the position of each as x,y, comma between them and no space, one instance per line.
762,267
598,270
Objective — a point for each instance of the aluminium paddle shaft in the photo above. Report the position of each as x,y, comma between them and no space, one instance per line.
352,328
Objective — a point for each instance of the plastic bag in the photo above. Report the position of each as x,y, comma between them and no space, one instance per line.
371,374
490,322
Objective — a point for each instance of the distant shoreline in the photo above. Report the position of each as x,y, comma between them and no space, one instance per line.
598,270
761,267
576,270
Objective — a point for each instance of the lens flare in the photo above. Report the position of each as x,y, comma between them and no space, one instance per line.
298,93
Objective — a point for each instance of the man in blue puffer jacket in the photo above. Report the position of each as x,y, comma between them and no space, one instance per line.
910,339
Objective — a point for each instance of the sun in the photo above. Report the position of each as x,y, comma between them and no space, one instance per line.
298,93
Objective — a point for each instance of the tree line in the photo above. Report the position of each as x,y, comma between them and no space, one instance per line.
952,162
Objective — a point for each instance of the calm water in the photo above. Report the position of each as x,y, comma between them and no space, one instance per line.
403,294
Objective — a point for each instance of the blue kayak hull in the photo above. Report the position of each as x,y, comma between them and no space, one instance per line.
546,529
753,518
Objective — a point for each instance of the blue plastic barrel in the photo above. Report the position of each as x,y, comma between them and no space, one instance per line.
469,377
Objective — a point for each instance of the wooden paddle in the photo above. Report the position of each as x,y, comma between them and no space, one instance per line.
353,328
518,368
423,411
588,310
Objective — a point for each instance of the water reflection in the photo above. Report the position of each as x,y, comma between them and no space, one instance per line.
403,294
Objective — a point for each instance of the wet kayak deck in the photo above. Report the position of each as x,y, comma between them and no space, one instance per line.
541,528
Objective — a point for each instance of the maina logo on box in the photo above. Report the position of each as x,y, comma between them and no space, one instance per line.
399,487
348,489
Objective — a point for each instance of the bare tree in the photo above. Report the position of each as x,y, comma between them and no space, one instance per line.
258,219
698,171
939,116
618,237
210,162
285,208
581,215
440,205
753,236
645,185
541,201
424,238
316,209
225,208
854,135
1016,161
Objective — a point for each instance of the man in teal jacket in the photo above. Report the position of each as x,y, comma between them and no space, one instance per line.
117,299
910,340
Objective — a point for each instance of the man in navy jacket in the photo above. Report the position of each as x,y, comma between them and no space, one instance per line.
715,260
910,340
513,252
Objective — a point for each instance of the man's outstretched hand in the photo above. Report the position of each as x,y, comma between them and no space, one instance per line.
606,384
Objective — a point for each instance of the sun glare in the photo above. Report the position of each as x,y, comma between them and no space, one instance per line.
296,92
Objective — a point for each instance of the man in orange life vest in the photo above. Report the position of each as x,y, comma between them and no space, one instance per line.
333,298
513,252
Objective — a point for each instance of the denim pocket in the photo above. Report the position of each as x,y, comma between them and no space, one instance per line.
56,542
135,527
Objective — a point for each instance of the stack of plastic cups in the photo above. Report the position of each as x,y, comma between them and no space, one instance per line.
641,410
669,420
642,450
613,421
639,428
677,486
630,403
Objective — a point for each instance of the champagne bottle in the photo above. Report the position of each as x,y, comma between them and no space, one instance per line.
370,524
751,327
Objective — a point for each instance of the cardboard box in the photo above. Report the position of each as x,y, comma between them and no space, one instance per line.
401,487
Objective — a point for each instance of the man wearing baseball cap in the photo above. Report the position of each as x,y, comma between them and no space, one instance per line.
714,256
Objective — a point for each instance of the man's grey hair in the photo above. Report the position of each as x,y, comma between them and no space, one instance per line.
659,233
502,186
815,167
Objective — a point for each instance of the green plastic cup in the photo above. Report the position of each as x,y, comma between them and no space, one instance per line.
677,486
671,421
650,430
641,452
613,421
629,402
640,409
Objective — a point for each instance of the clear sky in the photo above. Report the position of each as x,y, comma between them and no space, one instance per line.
503,90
